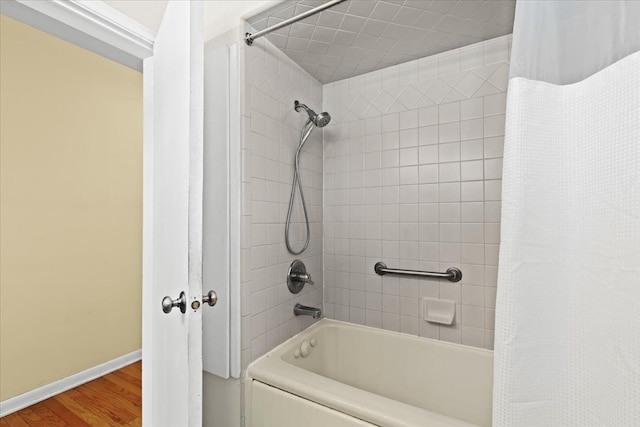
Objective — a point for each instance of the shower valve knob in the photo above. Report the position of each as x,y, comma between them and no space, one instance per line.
297,276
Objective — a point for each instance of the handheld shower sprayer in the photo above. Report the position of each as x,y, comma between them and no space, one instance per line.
318,120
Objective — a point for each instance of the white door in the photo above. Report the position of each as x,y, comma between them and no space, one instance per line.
173,180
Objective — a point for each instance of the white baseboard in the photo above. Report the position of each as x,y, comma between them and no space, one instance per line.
46,391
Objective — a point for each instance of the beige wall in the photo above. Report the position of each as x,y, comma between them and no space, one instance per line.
71,209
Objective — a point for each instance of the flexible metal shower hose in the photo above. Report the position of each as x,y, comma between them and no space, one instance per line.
306,131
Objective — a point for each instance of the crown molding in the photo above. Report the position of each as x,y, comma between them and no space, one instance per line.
92,25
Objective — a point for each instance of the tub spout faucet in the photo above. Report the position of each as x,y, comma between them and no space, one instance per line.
303,310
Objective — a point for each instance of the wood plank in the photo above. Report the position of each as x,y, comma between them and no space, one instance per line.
129,378
135,423
66,414
117,396
101,405
131,387
132,397
86,414
49,419
135,370
14,420
29,416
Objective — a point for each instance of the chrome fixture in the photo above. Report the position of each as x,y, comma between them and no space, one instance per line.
297,276
249,38
303,310
319,120
180,302
452,274
210,298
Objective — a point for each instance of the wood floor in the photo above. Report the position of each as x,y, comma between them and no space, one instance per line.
112,400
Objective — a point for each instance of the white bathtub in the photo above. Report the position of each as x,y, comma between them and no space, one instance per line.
361,376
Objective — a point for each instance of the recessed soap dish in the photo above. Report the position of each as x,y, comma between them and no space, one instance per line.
440,311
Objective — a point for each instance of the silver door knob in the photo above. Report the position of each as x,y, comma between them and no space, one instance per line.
181,302
210,298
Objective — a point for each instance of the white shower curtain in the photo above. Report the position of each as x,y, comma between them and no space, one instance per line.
567,344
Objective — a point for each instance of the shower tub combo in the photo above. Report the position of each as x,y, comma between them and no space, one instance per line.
342,375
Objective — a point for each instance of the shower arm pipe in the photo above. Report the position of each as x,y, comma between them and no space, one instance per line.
250,38
452,274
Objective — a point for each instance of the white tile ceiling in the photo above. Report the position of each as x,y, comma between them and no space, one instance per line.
359,36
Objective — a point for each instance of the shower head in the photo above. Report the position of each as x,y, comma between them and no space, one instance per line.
320,120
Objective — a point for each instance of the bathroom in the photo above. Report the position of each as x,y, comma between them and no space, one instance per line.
406,181
406,172
412,176
378,255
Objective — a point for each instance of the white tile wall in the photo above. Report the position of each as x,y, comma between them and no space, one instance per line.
271,129
412,177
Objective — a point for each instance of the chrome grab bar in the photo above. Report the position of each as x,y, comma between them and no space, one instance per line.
452,274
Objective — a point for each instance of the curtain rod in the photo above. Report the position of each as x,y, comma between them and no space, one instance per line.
249,38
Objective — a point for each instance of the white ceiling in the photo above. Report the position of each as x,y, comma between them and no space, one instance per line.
359,36
148,13
220,16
